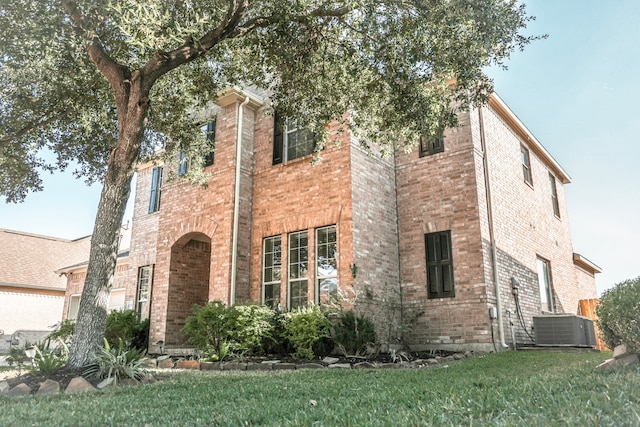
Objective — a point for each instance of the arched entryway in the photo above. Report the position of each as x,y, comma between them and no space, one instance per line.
188,282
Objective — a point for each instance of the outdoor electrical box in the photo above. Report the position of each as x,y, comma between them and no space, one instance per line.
493,313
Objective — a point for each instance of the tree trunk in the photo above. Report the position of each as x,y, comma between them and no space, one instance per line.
92,314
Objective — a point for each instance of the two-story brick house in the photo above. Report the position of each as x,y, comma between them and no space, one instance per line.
426,233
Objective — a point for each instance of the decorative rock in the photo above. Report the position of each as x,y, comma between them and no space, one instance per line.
432,361
283,366
458,356
20,390
4,387
165,363
188,364
468,353
629,359
163,357
341,366
234,366
210,366
609,363
271,362
388,365
79,385
48,386
105,383
620,351
259,366
364,365
128,382
330,360
309,366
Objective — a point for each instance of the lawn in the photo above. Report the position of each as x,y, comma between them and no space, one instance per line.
523,388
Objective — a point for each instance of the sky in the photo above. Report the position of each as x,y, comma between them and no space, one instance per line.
577,91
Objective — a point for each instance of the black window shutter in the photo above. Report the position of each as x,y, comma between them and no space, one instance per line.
211,138
439,265
278,139
154,190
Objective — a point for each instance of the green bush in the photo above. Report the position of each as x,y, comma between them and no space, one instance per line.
63,331
253,328
352,333
118,363
619,315
50,360
304,327
210,327
125,325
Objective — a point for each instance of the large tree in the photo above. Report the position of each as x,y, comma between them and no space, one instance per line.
107,83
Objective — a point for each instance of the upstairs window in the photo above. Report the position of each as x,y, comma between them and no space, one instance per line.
290,142
156,190
526,165
554,195
207,160
431,144
439,265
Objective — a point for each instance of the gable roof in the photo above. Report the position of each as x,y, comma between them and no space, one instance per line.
30,260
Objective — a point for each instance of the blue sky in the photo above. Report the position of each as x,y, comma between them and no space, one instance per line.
578,92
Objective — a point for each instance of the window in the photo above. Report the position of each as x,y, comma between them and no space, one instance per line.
554,196
326,262
526,165
290,142
431,144
156,190
544,282
298,269
439,264
207,160
271,271
74,307
144,284
210,131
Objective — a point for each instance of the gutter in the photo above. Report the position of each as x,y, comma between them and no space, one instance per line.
492,237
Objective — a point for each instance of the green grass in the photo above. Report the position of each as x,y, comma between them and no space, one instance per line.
536,388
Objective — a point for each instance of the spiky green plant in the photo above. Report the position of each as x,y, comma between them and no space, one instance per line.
118,363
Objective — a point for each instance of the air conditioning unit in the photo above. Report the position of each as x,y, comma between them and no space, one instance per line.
564,330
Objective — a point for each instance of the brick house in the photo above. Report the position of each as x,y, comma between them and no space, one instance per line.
32,295
413,234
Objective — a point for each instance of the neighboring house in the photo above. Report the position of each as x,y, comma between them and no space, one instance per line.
428,231
32,295
76,275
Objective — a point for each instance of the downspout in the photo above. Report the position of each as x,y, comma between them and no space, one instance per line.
236,202
492,237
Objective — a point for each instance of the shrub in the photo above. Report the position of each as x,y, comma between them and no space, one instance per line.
117,363
49,361
304,327
209,328
63,331
352,333
618,315
125,325
253,328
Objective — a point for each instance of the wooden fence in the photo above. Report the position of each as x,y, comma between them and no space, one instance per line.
587,308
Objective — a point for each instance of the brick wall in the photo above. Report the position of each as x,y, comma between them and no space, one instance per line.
296,196
439,192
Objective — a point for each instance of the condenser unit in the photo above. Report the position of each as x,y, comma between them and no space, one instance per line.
564,330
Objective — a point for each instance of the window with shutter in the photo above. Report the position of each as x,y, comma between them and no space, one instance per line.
554,196
431,144
526,165
156,190
440,281
210,132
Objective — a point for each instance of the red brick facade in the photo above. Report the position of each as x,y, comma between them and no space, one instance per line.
382,209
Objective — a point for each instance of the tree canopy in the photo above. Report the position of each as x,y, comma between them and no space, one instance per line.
389,61
107,83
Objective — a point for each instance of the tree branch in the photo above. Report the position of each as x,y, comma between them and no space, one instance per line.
116,74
